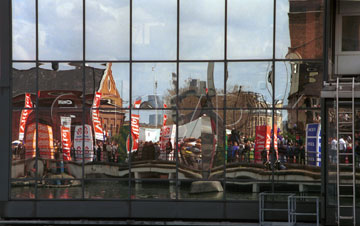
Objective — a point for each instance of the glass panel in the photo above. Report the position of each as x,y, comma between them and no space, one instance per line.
246,189
60,29
60,85
299,29
107,33
298,84
201,85
23,30
110,155
160,88
155,144
23,189
350,33
109,79
23,82
249,85
201,144
154,29
201,190
102,189
250,38
202,29
60,189
23,164
153,190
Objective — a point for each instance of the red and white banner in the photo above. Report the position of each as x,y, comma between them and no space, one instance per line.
66,142
45,141
98,130
135,129
263,141
24,115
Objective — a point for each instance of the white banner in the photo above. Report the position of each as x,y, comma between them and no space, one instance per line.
88,142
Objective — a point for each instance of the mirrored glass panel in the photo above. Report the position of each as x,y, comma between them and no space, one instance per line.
24,85
154,84
153,189
60,85
299,29
154,29
106,189
107,29
201,85
246,189
201,144
23,30
23,144
110,80
60,188
202,29
60,29
23,189
250,38
201,190
249,85
298,84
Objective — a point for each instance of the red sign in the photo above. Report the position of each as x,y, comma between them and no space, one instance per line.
99,135
263,141
24,115
135,129
66,142
45,141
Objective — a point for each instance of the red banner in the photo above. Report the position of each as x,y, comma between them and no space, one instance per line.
262,141
66,142
24,115
98,130
135,129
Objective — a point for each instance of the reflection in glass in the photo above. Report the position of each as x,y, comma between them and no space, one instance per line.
60,188
109,79
250,38
201,85
202,29
298,84
154,84
23,189
23,82
201,190
299,29
60,30
249,85
106,189
107,30
154,29
350,33
61,84
153,190
201,143
23,30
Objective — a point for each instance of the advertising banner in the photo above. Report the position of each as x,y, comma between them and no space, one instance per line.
66,142
135,130
87,138
168,132
262,141
45,141
98,130
313,144
24,115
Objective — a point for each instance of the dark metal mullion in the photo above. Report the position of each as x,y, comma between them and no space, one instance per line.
224,113
83,105
130,107
37,151
10,103
272,147
176,149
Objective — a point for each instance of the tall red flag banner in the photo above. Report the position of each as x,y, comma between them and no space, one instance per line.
98,130
135,129
45,141
262,141
66,142
24,115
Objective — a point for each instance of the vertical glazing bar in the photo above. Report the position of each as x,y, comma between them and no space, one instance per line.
84,101
272,147
37,91
177,95
317,212
337,152
353,148
224,106
130,105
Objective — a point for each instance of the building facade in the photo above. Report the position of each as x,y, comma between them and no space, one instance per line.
178,109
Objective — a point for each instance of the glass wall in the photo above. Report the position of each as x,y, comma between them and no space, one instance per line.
165,100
